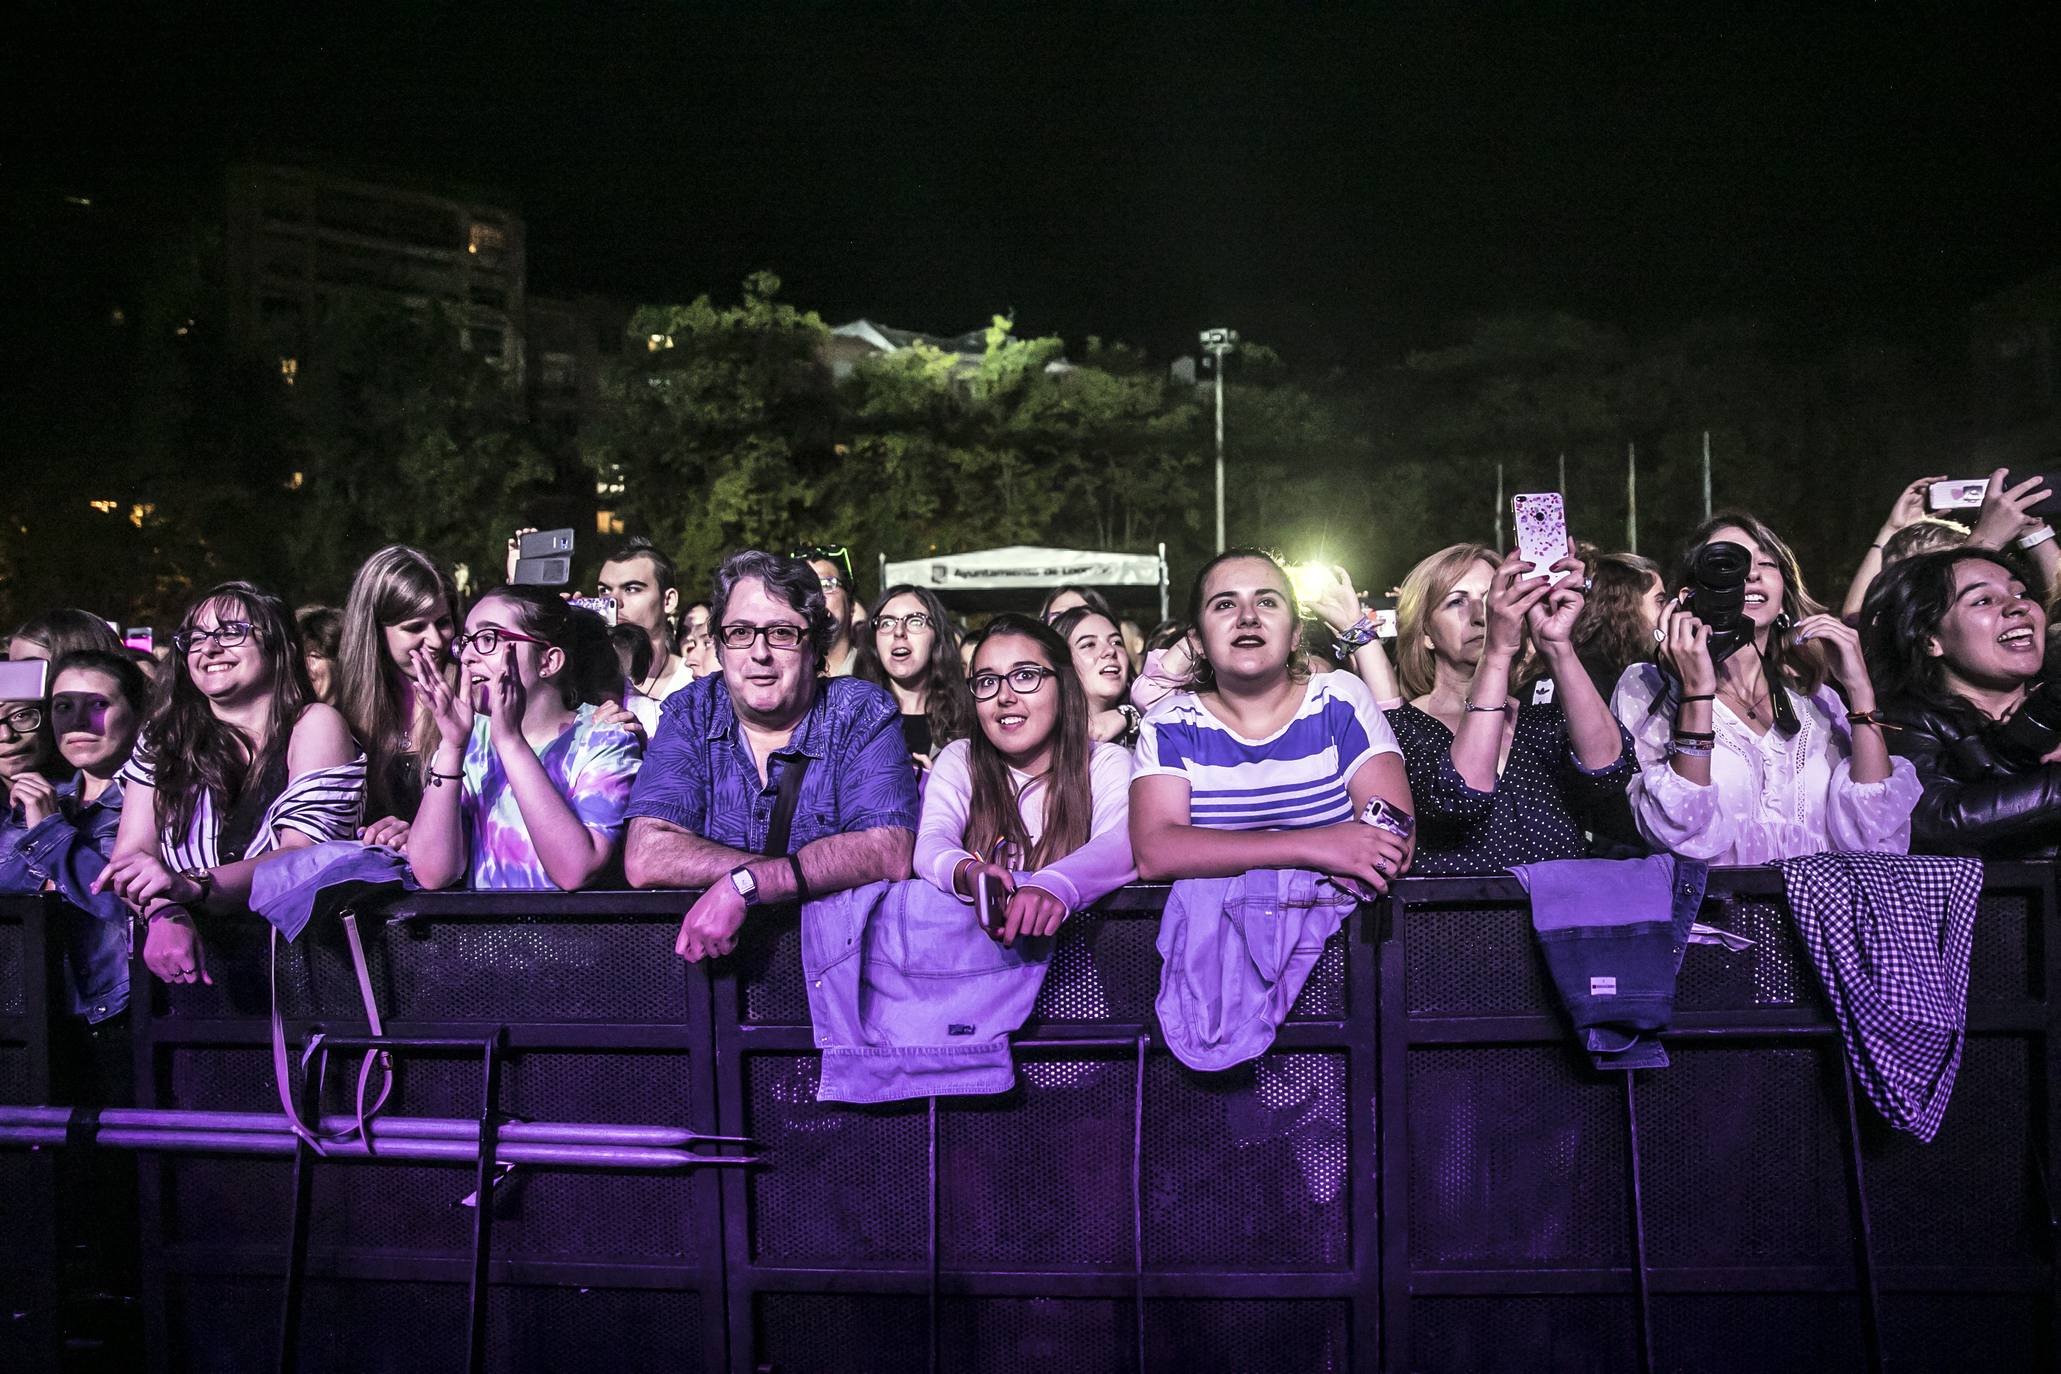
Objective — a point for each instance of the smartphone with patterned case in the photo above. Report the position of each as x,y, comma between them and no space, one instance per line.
1541,520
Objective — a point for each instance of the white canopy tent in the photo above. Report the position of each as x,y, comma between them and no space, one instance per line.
1026,566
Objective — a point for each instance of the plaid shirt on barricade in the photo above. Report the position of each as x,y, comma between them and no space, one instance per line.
1889,935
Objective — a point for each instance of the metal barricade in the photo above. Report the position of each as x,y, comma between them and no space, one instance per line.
1114,1212
1737,1209
589,1269
1422,1174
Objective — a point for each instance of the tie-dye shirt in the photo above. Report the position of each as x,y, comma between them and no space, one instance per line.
592,766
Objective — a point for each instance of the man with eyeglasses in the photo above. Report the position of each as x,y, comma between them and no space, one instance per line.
833,568
768,784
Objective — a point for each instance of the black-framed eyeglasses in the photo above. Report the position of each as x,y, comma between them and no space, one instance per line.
23,720
829,553
488,639
1022,681
742,636
886,626
228,635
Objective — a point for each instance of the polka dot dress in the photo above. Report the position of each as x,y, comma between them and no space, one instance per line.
1542,805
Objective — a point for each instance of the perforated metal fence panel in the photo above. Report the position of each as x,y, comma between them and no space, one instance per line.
1421,1174
1114,1211
603,1024
1739,1209
29,1296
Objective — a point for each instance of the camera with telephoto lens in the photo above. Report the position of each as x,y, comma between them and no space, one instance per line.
1717,596
2032,732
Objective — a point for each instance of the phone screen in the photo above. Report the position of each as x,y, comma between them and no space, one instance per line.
24,679
992,900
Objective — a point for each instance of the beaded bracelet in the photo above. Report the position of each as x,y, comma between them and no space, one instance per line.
1502,710
1693,751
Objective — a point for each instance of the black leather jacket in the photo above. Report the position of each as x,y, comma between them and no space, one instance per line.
1974,802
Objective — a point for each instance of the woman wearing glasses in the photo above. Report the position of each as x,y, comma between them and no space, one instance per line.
526,788
913,652
1028,798
235,763
1258,764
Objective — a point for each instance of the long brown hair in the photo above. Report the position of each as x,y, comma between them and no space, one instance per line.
1805,668
394,585
191,749
1069,796
1421,592
1611,632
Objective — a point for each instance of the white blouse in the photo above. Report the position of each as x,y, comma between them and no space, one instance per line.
1771,796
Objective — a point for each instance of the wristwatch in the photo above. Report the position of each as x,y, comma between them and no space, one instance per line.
202,878
746,885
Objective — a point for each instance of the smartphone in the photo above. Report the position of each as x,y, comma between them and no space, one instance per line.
991,900
544,543
1967,493
139,638
543,559
542,572
1383,815
1957,495
1541,521
1384,622
1309,581
603,606
24,679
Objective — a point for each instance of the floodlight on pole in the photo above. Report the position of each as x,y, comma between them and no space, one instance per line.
1217,343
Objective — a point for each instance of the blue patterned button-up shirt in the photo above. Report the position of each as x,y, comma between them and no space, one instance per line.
699,775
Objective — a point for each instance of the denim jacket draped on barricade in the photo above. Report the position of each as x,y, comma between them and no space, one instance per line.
1234,954
909,996
1613,932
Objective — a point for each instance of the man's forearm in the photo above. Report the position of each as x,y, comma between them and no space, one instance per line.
662,855
837,863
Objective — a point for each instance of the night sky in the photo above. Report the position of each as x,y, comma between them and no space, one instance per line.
1343,184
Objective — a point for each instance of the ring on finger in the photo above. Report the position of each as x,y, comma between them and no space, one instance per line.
1660,636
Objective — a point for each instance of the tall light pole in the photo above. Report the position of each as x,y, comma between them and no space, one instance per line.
1216,343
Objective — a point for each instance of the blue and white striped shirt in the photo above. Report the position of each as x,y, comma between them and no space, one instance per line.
1297,778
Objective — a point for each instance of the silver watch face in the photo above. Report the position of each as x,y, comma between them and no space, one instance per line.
746,885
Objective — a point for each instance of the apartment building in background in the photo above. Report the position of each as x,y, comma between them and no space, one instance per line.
294,237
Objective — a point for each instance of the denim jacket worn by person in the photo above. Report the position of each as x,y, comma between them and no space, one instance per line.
67,851
909,996
1234,953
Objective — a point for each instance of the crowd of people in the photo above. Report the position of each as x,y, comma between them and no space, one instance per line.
781,740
